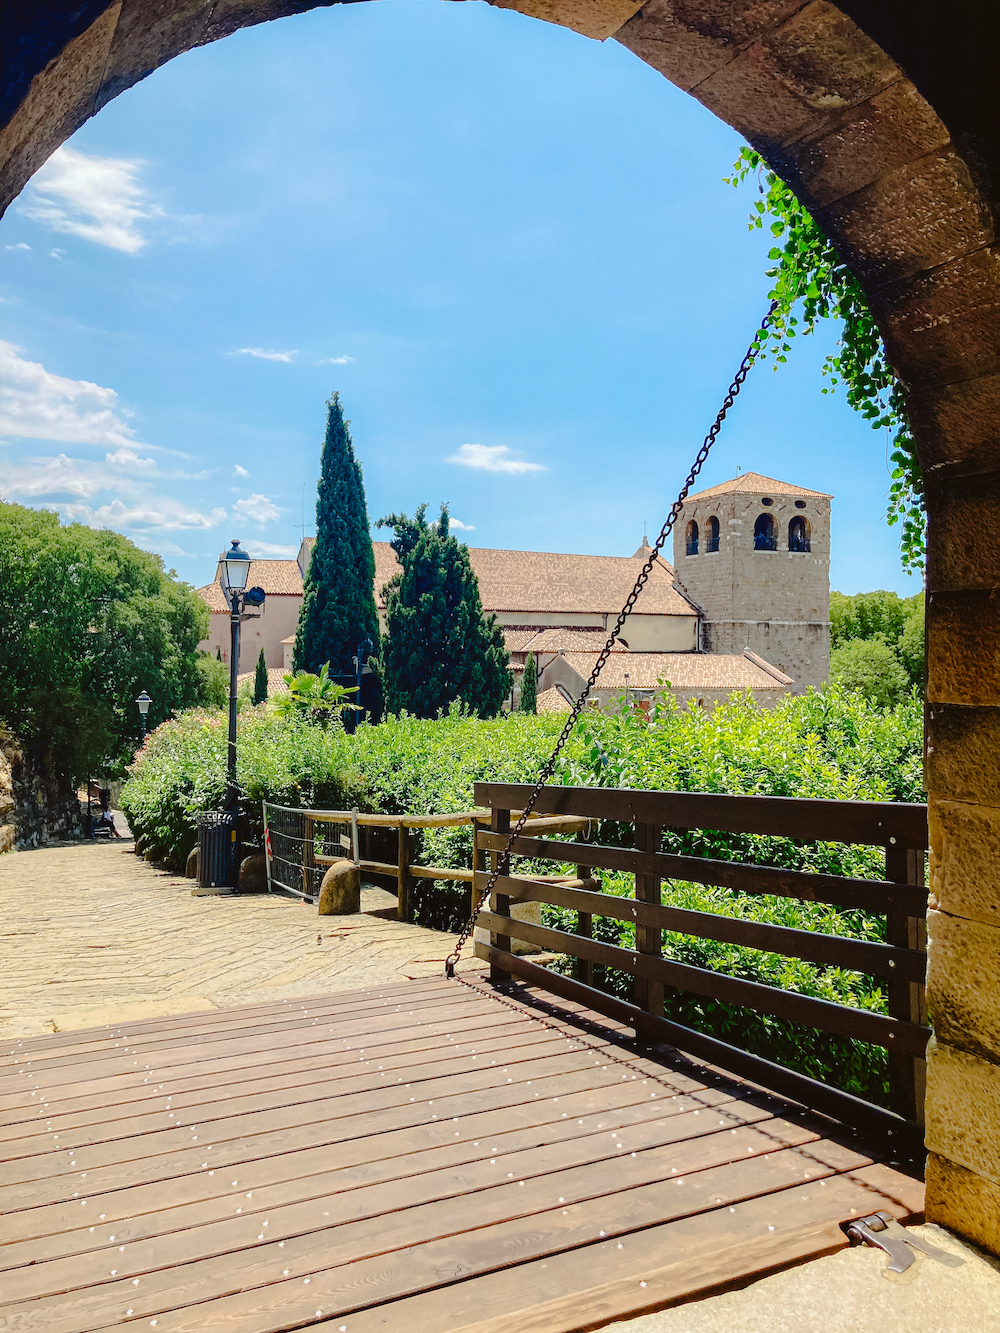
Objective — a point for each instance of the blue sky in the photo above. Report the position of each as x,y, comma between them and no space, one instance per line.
507,246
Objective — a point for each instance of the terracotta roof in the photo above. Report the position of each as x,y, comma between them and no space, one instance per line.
290,639
516,637
275,680
684,671
573,639
551,701
753,483
536,581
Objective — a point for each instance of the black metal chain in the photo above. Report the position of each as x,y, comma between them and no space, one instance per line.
752,352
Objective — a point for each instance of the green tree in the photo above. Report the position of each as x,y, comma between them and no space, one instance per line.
315,698
810,276
896,621
439,648
338,602
529,686
870,667
260,680
88,621
214,681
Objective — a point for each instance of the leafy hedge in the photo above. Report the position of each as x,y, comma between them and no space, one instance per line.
830,744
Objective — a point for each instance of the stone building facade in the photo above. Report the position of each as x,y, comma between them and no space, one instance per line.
753,555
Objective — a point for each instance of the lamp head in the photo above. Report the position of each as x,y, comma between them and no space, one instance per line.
235,568
143,703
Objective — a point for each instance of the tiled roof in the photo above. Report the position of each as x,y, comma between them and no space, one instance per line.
290,639
535,581
517,637
275,680
753,483
684,671
573,639
551,701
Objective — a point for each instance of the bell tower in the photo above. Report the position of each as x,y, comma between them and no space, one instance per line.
753,554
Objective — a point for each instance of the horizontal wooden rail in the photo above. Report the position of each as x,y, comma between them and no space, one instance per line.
874,823
869,895
880,960
855,1024
809,1092
539,823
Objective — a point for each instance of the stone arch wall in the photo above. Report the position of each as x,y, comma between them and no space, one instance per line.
900,167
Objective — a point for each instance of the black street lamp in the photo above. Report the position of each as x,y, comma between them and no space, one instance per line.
143,703
234,572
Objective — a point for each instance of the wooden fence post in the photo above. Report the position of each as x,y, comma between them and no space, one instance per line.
584,970
648,994
403,874
500,823
906,999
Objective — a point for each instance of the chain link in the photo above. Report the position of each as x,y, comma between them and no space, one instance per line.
752,352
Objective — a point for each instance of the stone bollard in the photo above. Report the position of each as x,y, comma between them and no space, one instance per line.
253,874
340,892
191,865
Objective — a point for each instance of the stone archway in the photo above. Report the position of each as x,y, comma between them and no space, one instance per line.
899,167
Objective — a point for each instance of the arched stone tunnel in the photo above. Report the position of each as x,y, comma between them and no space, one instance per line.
883,117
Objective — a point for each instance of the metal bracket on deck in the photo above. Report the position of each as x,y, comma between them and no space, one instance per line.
884,1233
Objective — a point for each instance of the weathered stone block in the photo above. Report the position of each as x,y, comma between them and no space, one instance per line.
957,426
963,754
962,1109
191,865
963,1202
963,983
965,860
963,648
340,892
963,548
253,874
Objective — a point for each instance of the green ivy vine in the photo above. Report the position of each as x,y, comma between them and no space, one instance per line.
810,276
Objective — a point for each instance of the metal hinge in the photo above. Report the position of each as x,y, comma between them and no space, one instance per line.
884,1233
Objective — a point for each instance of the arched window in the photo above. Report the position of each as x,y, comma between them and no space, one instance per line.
692,538
798,534
712,540
764,538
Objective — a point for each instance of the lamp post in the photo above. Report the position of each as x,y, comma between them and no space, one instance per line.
234,571
143,703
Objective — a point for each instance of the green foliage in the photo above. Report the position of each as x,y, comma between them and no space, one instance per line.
314,698
870,667
87,621
529,686
214,689
886,617
809,275
439,647
260,680
338,601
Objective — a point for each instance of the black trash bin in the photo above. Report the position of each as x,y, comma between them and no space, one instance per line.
217,848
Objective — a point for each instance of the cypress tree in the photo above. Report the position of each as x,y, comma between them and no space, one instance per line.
260,680
338,602
439,647
529,686
218,654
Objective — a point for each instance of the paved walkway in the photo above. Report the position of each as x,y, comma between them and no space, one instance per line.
90,934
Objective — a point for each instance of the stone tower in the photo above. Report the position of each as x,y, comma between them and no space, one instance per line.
754,556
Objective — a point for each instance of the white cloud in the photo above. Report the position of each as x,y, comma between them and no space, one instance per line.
42,406
335,361
492,458
265,551
57,254
462,527
98,198
160,512
239,471
21,245
129,458
257,509
265,354
54,476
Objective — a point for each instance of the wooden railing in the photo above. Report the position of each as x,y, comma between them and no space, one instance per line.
901,829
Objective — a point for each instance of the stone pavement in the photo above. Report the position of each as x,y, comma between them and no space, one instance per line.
90,934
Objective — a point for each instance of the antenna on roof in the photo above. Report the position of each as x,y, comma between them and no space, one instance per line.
738,469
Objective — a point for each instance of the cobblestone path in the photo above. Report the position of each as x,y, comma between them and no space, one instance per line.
90,934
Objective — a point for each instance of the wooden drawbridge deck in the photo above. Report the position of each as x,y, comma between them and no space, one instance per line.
418,1158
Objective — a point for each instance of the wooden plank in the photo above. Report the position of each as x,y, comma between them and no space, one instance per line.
442,872
855,1024
648,992
500,864
906,994
807,820
403,858
904,1135
883,960
868,895
597,1284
